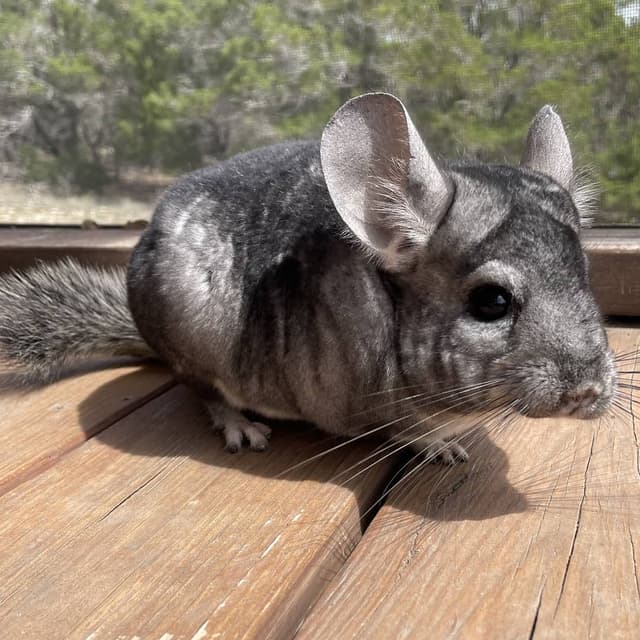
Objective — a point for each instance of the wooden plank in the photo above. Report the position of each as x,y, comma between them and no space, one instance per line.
151,530
614,258
538,536
21,248
40,426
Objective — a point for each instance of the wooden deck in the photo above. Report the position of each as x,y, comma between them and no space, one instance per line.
122,517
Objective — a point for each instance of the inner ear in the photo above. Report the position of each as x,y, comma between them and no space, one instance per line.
381,178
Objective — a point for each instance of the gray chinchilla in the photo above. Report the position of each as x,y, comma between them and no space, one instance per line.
346,283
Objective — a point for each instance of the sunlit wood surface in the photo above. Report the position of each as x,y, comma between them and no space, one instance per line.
122,517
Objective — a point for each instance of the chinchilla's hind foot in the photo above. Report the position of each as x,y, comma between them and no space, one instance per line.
237,429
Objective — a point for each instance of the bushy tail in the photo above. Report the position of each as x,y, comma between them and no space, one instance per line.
54,314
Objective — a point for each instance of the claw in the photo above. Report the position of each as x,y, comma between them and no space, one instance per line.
240,429
449,453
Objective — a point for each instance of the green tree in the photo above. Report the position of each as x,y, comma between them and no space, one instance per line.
90,89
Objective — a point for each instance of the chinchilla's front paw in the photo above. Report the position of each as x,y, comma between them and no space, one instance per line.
444,452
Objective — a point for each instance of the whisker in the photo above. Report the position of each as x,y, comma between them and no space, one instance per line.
393,443
436,396
343,444
373,430
404,445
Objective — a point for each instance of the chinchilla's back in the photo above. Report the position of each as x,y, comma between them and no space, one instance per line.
254,254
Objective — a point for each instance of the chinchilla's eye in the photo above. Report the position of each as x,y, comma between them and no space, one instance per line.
489,302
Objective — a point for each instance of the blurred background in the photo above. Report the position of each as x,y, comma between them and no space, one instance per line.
104,102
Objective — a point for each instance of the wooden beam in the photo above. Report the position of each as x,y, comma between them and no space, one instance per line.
21,248
614,256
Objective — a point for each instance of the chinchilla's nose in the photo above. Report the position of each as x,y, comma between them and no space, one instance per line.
581,399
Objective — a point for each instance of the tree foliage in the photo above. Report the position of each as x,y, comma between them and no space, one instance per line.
89,88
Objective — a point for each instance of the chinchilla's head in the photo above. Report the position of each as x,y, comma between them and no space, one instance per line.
490,279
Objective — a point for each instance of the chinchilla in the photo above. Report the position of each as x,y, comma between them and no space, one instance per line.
354,283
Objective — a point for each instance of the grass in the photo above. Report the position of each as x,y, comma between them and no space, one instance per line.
38,204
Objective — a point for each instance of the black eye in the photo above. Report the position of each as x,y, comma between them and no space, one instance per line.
489,302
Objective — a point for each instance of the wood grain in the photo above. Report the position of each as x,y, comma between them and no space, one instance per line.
23,247
40,426
538,536
151,530
614,256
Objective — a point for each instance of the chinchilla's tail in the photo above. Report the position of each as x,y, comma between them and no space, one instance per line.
54,314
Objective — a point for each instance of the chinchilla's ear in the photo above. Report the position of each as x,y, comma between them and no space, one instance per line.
381,178
548,150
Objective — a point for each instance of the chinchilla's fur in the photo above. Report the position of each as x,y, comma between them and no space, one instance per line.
56,313
297,280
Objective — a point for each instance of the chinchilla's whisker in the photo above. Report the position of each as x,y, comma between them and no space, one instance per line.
625,392
631,383
391,485
472,393
628,404
475,391
396,448
347,442
439,396
379,451
398,474
626,355
396,389
499,421
632,361
433,455
400,486
623,400
423,419
620,408
365,434
473,435
540,473
568,487
399,447
484,419
493,403
569,470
